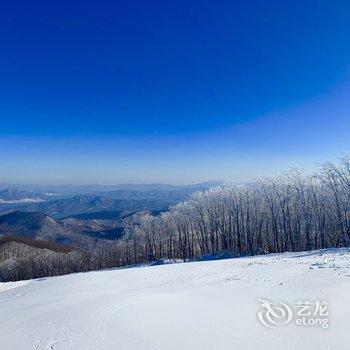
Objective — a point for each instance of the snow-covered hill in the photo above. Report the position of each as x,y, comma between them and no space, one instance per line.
200,305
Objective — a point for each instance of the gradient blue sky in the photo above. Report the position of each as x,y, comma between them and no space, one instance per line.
171,91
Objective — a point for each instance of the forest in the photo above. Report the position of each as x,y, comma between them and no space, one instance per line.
291,212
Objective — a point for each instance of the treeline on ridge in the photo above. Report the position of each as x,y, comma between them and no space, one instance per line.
292,212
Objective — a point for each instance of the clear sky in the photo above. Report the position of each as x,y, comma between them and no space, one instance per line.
171,91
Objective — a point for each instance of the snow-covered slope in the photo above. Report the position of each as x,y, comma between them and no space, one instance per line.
200,305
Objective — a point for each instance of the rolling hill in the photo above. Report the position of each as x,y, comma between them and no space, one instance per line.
78,233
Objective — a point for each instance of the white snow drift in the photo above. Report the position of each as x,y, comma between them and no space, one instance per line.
200,305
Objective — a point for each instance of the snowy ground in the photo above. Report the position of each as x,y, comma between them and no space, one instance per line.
200,305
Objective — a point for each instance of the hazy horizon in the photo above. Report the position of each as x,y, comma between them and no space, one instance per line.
22,184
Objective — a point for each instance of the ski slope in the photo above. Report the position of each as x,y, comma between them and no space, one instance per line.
199,305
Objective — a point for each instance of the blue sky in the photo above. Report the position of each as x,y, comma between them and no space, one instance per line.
179,92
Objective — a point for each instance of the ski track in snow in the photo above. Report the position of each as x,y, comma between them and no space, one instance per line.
199,305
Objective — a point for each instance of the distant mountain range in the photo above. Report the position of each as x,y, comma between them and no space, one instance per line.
93,189
129,198
82,220
15,196
81,204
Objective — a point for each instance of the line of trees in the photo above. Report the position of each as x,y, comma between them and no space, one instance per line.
22,258
292,212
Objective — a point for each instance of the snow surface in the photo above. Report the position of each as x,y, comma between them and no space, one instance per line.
199,305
